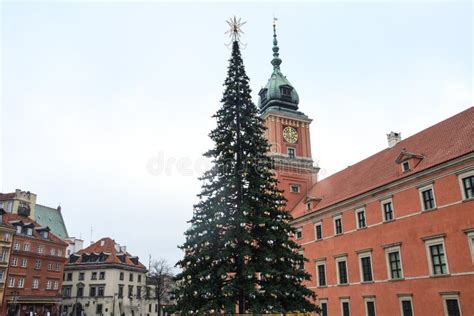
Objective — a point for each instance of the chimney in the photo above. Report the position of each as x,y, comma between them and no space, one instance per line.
393,139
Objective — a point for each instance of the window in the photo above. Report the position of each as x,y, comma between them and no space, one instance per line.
131,277
467,185
427,198
16,245
121,276
56,285
2,275
21,282
338,225
323,304
139,292
92,291
435,249
361,218
35,283
50,266
341,266
321,272
7,236
130,290
120,291
345,309
94,276
14,261
98,309
406,306
370,306
11,282
38,264
67,291
4,255
139,278
69,276
40,249
81,276
285,91
394,262
80,291
60,253
58,267
308,206
52,251
48,285
365,267
294,188
24,262
291,152
387,210
451,304
318,231
102,276
406,166
100,291
299,233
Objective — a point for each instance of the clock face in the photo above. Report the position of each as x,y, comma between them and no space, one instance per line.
290,134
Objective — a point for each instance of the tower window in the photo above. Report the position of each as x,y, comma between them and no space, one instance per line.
406,166
294,188
285,91
291,152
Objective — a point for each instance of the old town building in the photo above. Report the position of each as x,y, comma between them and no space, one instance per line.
35,270
6,238
104,279
392,234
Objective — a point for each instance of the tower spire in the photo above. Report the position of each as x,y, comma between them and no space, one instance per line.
276,61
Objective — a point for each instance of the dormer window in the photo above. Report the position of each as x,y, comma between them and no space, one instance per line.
285,91
18,229
294,188
263,95
406,166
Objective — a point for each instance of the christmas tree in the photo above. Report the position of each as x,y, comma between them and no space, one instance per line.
238,251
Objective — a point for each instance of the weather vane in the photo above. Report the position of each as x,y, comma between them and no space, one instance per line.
235,28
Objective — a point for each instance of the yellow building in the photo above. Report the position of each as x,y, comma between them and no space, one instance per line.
6,237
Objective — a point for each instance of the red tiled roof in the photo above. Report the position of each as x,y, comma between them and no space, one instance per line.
8,217
7,196
449,139
108,246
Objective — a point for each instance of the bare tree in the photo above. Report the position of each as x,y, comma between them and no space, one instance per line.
160,282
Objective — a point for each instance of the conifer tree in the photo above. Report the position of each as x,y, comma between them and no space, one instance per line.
238,250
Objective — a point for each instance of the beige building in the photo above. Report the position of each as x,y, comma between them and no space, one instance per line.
6,237
104,279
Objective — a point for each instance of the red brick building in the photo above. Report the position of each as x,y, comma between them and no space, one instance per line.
35,271
390,235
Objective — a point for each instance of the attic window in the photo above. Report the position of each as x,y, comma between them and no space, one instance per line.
406,166
263,94
294,188
285,91
308,206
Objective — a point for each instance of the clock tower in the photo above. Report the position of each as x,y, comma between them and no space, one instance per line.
287,133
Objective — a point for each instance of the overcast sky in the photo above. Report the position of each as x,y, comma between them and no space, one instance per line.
106,107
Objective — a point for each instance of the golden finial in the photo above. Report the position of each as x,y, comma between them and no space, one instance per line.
235,28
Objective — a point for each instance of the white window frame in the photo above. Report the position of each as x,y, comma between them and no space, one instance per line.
299,230
470,241
450,297
14,261
321,262
35,283
431,242
324,300
334,224
56,285
52,252
385,201
420,191
21,282
389,250
365,254
344,300
11,282
337,260
357,211
320,223
38,264
292,186
461,184
48,284
26,246
405,298
2,275
24,262
16,245
369,299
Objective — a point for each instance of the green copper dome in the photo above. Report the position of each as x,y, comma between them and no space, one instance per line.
278,92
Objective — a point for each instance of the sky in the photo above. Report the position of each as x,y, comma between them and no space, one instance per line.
106,106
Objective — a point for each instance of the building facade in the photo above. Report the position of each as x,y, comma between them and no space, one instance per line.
104,279
35,269
6,238
390,235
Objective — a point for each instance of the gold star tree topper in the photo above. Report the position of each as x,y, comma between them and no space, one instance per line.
235,28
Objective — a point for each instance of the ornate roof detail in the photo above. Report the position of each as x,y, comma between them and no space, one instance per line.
278,91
